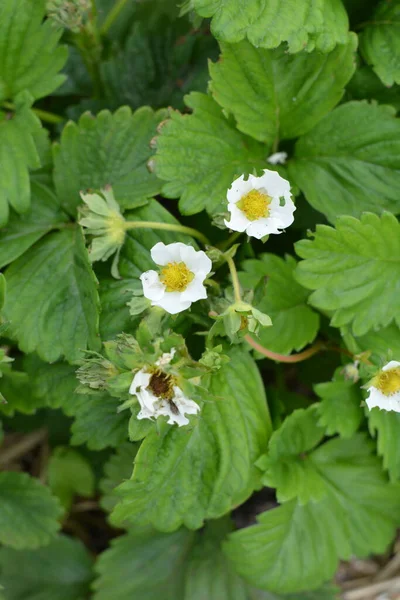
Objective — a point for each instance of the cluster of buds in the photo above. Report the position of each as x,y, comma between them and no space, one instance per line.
70,14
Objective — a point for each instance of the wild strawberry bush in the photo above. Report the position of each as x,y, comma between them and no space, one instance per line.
200,297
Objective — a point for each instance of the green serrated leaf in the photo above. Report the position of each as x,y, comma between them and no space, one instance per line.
52,300
117,469
18,154
61,570
300,23
69,474
274,95
28,512
354,269
340,407
186,475
380,42
201,154
358,515
386,426
21,232
30,58
350,162
294,323
110,149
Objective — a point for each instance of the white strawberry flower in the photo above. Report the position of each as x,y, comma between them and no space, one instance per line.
158,395
260,205
384,388
180,281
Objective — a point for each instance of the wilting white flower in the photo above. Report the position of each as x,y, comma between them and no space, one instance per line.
384,388
278,158
260,205
180,280
158,395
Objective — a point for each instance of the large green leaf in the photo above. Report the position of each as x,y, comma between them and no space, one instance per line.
21,232
117,469
301,23
380,41
28,512
187,475
386,426
350,162
61,570
354,270
110,149
357,515
69,474
29,56
340,407
294,323
275,95
201,154
52,300
18,154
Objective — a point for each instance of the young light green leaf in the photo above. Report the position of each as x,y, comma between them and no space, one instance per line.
186,475
358,515
21,232
52,300
69,474
294,323
201,154
62,570
350,162
30,58
274,95
340,407
18,154
28,512
380,42
110,149
354,269
117,469
300,23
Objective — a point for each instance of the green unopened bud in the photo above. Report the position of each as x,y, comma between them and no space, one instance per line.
95,372
70,14
101,218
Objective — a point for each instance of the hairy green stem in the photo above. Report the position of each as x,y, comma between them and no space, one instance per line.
235,279
112,16
226,244
168,227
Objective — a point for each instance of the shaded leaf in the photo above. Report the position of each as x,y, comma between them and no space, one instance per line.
69,474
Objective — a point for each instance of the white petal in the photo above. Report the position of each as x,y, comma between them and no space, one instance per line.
144,413
178,418
172,303
283,213
238,221
195,290
272,182
153,289
163,254
196,261
391,365
278,158
239,188
184,404
141,379
260,228
377,399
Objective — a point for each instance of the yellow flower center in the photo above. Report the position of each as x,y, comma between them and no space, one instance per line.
176,276
255,205
116,227
388,382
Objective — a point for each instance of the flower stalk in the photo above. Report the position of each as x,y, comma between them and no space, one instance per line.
168,227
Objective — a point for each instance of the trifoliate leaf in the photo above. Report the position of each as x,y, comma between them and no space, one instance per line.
18,154
21,232
52,299
294,323
201,154
110,149
98,422
350,162
69,474
185,475
145,565
340,407
300,23
354,269
287,466
274,95
358,515
28,512
117,469
380,42
62,570
30,58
